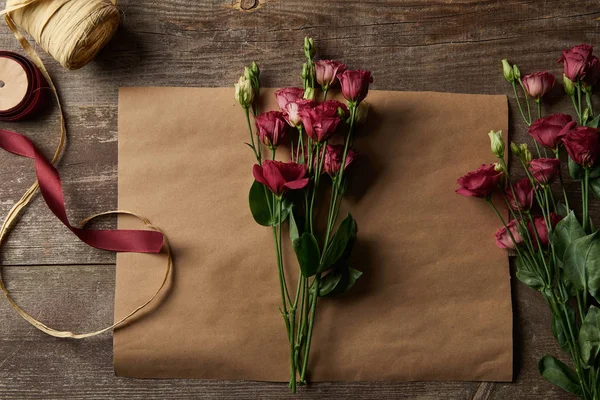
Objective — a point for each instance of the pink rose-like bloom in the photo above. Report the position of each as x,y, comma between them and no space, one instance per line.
575,61
317,124
333,159
285,95
271,128
523,195
542,229
549,131
544,170
280,177
538,84
592,71
331,108
479,183
503,239
327,71
355,84
291,111
582,145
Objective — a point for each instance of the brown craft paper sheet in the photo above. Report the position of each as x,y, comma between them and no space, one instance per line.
434,302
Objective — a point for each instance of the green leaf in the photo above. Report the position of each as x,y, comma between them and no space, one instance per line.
589,336
562,210
308,254
581,257
329,282
565,232
261,204
531,279
294,232
595,186
594,122
558,331
559,374
595,172
575,170
341,243
344,278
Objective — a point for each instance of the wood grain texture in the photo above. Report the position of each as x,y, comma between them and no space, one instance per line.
452,46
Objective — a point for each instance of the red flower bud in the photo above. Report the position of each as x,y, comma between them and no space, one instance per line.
522,199
550,131
355,84
504,239
582,145
538,84
326,72
333,159
544,170
479,183
575,61
280,177
271,128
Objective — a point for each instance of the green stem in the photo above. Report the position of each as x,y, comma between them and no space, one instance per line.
514,85
560,178
313,309
325,93
253,146
580,113
588,100
539,107
584,193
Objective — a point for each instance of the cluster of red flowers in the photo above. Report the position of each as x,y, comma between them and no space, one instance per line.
552,132
313,131
555,252
318,120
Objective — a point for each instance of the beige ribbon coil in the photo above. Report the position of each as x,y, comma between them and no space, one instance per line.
73,32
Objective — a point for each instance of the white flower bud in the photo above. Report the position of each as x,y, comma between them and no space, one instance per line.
497,143
244,93
508,72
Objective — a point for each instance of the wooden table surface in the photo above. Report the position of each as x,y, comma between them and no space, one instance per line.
418,45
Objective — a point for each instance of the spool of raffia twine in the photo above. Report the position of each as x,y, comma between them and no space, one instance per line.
72,32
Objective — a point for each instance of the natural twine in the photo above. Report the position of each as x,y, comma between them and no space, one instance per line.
73,32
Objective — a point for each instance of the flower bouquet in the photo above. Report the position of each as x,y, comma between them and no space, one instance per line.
320,136
557,250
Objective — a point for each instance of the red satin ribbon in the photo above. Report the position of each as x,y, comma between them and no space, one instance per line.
137,241
35,96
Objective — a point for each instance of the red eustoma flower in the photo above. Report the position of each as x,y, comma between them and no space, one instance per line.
280,177
317,124
326,72
522,199
271,128
355,84
582,145
479,183
544,170
330,108
291,112
503,236
333,159
538,84
285,95
549,131
542,229
575,61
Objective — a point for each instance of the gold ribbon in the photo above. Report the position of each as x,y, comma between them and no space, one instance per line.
19,206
